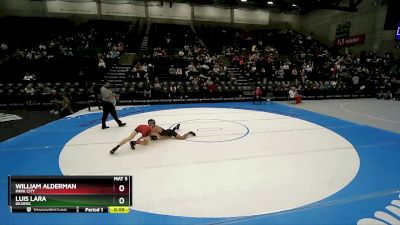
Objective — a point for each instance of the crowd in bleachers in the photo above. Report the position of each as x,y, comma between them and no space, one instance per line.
53,54
63,49
180,67
279,60
72,59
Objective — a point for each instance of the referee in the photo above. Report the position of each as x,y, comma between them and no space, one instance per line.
108,101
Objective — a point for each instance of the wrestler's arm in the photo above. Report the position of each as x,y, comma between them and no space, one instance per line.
143,140
155,133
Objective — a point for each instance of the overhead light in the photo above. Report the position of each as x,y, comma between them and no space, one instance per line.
243,0
294,5
270,2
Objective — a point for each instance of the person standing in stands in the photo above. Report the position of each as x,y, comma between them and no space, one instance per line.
257,95
29,93
108,102
102,67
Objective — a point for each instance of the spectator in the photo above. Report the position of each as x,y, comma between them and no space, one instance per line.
280,73
147,92
29,77
231,77
172,91
46,91
66,108
29,93
294,73
257,95
29,90
121,47
191,68
181,53
57,102
102,67
211,87
254,48
355,79
172,70
4,48
293,94
113,53
179,72
157,83
102,63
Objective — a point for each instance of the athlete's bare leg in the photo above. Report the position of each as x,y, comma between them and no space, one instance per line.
183,137
130,137
123,141
142,141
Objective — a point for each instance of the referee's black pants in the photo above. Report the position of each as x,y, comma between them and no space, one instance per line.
109,108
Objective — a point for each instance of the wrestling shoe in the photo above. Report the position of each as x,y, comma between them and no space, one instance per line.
113,150
176,127
192,133
122,124
104,127
133,143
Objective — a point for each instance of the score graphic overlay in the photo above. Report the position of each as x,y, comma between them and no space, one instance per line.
63,194
398,33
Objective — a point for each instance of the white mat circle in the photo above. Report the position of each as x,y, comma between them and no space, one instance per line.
281,164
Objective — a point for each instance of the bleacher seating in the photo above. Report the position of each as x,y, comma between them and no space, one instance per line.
230,65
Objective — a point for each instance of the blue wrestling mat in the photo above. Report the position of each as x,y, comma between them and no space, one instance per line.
370,197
